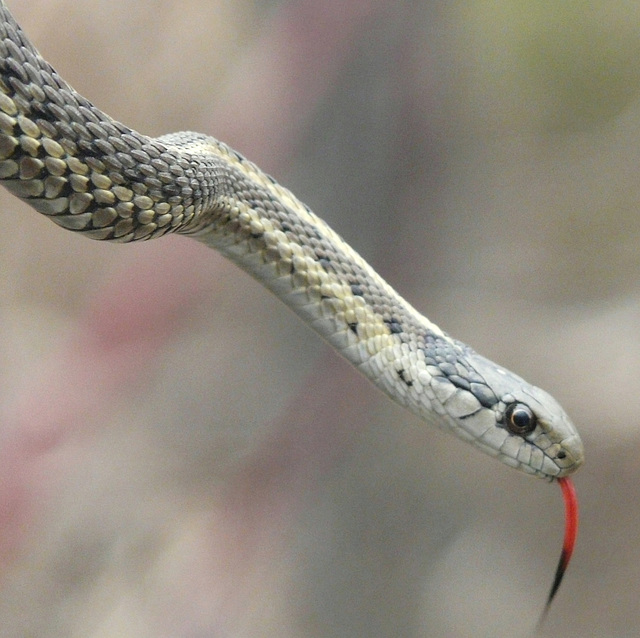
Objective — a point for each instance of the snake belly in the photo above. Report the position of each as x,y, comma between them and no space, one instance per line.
93,175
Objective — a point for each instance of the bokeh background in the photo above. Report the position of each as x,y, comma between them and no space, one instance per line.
180,457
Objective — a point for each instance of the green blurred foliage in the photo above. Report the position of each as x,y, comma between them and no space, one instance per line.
559,65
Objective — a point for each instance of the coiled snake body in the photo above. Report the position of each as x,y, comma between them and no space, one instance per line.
90,174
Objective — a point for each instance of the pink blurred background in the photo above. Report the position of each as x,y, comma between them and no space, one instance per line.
181,457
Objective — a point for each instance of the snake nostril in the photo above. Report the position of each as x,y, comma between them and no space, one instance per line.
561,455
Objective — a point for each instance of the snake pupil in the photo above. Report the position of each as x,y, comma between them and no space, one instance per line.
519,419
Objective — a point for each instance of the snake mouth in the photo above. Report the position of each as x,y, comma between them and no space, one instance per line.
551,471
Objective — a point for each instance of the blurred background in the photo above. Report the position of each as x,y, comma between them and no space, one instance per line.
181,457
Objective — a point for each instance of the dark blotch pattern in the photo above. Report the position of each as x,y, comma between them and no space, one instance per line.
453,364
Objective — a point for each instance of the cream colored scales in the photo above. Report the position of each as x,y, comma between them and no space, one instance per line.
95,176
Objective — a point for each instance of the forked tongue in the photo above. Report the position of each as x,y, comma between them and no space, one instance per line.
570,534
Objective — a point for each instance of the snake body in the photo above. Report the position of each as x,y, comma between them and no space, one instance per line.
93,175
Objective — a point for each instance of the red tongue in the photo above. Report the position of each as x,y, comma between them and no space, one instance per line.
570,534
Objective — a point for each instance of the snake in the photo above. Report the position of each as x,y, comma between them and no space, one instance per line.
95,176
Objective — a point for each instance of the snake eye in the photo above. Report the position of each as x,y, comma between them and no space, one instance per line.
519,419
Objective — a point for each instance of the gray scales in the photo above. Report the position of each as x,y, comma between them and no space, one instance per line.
93,175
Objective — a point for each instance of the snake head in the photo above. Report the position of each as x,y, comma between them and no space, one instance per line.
531,430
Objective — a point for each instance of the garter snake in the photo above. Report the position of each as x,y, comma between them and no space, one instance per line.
95,176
